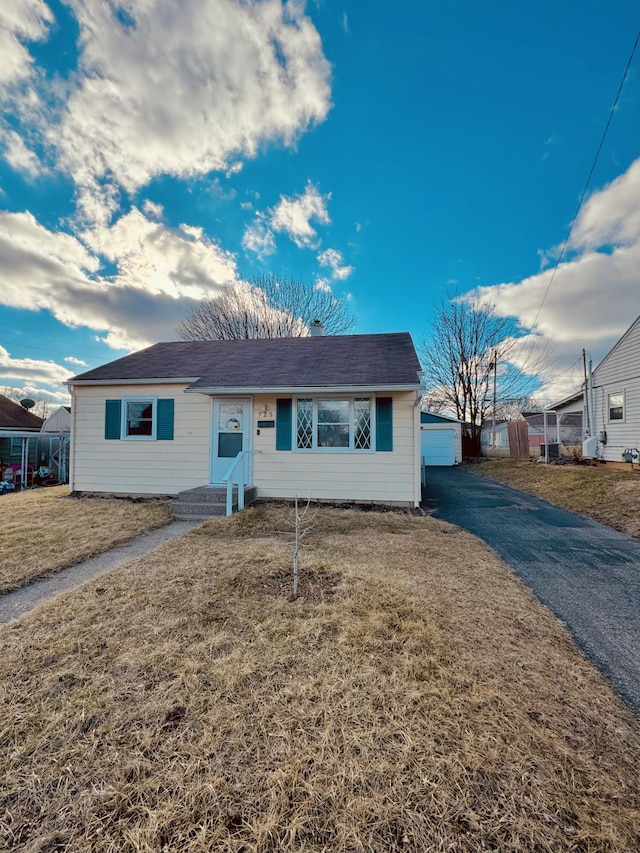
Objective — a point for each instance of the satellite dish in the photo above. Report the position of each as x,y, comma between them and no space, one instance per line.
27,403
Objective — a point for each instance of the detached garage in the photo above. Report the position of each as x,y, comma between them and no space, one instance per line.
440,439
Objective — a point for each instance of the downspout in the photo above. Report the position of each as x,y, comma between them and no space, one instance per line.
591,408
72,443
546,441
586,403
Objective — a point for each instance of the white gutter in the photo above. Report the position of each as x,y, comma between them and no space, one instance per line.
591,408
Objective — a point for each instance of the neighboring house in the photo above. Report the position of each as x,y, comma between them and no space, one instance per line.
55,438
327,418
19,429
572,405
614,402
440,439
495,436
59,421
570,431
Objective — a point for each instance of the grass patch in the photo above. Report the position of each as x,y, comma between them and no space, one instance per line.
415,698
607,495
45,530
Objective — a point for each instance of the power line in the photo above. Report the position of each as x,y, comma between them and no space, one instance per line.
588,181
32,346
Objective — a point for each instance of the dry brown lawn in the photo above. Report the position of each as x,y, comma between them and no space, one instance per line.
45,530
606,495
415,698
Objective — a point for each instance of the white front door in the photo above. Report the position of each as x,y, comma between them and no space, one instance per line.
231,433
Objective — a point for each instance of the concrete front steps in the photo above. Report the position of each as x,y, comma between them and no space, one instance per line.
208,501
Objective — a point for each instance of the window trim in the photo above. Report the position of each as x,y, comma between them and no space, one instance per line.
609,407
154,418
350,399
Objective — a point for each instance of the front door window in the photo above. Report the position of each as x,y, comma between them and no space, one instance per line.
230,434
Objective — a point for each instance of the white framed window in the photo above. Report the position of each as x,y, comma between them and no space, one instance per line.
139,418
16,446
339,424
616,406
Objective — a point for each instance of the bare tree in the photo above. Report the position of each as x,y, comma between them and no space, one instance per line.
270,307
469,349
307,302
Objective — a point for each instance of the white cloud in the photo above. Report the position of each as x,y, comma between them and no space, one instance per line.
20,20
258,238
323,284
31,370
160,260
612,215
160,273
153,210
188,89
71,359
594,295
293,216
18,156
333,259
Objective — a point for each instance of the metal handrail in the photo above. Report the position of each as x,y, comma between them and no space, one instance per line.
230,480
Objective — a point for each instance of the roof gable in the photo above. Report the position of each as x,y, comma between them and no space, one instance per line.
13,416
322,361
630,331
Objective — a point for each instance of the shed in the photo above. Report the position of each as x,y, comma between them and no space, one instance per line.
440,439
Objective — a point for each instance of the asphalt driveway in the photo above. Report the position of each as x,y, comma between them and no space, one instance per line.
588,575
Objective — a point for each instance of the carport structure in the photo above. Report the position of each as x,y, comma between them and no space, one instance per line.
35,446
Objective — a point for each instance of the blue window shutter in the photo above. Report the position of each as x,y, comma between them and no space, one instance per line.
112,413
283,423
164,431
384,423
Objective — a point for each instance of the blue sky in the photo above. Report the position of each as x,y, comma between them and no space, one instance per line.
154,152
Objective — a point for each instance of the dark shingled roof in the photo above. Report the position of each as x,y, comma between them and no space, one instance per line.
13,416
367,360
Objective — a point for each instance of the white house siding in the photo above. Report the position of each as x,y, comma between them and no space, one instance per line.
619,372
384,477
139,467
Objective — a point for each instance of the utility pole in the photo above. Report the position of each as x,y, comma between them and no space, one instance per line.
587,426
495,372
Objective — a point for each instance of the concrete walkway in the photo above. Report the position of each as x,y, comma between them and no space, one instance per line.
20,601
587,574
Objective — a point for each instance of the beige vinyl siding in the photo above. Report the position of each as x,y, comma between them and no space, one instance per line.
619,372
385,476
140,467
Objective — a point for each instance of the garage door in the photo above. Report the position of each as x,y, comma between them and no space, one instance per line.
438,446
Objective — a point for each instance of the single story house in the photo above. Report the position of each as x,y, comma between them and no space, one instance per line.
613,403
332,418
440,439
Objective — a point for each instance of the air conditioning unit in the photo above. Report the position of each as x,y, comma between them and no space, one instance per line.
590,447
